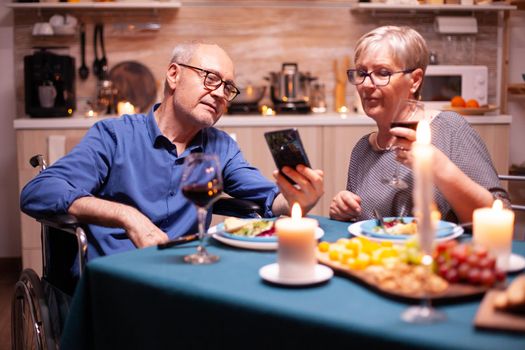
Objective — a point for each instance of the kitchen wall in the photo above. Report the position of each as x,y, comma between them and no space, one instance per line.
9,208
258,39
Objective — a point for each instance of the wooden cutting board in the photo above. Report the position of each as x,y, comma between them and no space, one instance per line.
135,83
454,292
488,317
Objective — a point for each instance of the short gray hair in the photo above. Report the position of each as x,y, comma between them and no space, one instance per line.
183,53
407,46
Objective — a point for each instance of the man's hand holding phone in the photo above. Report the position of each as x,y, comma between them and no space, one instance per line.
308,188
295,178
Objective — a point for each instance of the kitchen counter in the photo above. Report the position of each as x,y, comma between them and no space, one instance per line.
326,119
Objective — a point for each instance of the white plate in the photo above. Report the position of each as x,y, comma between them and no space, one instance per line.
270,273
263,245
355,229
516,263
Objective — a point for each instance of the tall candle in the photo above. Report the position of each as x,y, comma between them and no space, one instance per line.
296,249
422,153
493,228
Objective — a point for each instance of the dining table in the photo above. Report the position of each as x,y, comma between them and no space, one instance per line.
151,299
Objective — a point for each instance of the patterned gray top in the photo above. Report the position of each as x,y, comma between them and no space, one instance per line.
453,135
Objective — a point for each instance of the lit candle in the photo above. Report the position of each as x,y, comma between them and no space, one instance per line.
422,153
296,249
342,110
124,107
493,228
267,111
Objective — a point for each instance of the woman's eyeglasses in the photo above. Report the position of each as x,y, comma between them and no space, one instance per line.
380,77
213,81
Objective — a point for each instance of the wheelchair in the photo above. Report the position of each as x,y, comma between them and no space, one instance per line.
40,306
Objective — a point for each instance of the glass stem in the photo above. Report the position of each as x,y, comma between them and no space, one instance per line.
395,177
201,217
426,302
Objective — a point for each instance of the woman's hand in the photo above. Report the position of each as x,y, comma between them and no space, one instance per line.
345,206
309,188
403,144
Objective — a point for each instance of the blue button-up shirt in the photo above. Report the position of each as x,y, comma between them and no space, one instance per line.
128,160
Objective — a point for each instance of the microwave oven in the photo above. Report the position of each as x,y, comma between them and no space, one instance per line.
442,82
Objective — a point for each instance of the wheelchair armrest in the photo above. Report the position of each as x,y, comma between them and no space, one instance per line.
61,221
236,207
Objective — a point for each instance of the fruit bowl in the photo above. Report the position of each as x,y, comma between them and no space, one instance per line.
471,110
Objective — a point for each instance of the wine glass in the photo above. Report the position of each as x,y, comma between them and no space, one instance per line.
408,115
425,313
201,184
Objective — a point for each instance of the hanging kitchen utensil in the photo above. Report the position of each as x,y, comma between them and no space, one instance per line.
83,70
103,60
96,61
135,84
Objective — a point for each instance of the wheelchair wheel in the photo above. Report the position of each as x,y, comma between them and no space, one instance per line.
30,319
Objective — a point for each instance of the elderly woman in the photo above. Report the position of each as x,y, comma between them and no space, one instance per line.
390,64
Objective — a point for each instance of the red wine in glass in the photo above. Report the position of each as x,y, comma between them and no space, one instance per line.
412,124
408,114
202,195
201,183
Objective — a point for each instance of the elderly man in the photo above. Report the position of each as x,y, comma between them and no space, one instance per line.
123,177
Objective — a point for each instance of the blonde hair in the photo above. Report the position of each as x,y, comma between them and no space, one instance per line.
407,47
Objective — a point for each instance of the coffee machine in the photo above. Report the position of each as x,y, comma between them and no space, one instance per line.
49,80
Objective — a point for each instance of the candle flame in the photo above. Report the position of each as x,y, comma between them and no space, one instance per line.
423,133
497,205
342,109
296,211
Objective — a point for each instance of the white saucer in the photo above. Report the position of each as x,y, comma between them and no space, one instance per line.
516,263
270,273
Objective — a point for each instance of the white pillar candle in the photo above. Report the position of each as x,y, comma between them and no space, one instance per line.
422,153
125,107
296,249
493,229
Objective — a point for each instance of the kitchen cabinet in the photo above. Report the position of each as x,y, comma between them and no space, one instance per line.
52,144
328,140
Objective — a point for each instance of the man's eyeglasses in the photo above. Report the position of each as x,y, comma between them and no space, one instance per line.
380,77
213,81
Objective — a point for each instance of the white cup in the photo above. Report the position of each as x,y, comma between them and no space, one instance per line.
47,94
42,28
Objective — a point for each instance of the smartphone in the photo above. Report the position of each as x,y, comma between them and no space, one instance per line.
287,149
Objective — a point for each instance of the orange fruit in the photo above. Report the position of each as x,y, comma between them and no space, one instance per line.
472,103
457,101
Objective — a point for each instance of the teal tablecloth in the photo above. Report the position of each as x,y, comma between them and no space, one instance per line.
151,299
